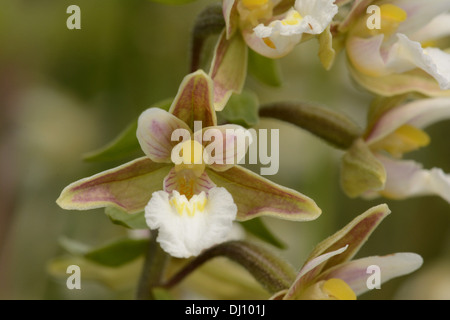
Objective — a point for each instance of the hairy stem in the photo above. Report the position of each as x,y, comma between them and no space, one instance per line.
153,269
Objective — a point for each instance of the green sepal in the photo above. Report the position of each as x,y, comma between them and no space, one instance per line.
125,145
257,228
361,171
264,69
118,253
127,220
241,109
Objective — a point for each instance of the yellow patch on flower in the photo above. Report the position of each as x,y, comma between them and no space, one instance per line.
253,4
338,289
192,157
292,19
405,139
189,207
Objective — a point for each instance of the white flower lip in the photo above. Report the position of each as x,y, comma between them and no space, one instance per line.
187,227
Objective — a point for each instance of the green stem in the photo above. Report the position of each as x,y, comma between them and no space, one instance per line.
153,269
272,272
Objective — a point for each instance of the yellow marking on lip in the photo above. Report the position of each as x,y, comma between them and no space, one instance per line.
269,43
405,139
339,289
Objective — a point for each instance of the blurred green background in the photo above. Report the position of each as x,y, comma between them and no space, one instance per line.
67,92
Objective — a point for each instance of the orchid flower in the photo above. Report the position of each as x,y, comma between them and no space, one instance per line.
329,272
400,130
272,28
190,199
401,54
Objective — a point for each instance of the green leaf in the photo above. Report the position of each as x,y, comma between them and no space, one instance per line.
125,144
128,220
264,69
242,109
118,252
73,246
258,228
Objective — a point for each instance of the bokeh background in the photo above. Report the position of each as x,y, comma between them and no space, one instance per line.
67,92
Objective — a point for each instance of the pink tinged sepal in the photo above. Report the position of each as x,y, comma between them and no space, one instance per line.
419,113
354,234
194,100
338,248
358,9
407,178
228,68
231,16
154,133
128,187
256,196
357,273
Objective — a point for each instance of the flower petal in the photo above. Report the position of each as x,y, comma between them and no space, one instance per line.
194,100
311,269
405,55
184,234
434,30
178,181
420,13
317,15
408,179
397,84
358,8
154,132
230,15
357,272
128,187
354,234
419,113
280,46
228,68
225,145
256,196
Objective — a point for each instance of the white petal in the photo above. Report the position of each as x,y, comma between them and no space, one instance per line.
406,55
419,113
438,28
408,179
356,273
317,15
182,235
420,12
154,132
283,44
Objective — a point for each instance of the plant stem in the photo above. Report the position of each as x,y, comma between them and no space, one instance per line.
153,269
